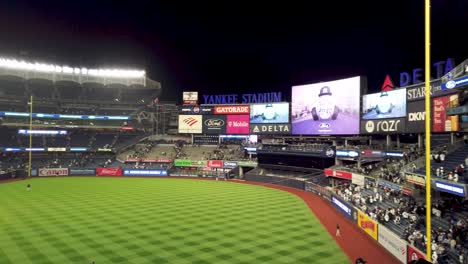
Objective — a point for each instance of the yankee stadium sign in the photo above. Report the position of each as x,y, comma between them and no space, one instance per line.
242,98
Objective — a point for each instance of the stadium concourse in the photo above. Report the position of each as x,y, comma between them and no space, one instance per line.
368,166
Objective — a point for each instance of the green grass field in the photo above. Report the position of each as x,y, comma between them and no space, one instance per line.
125,220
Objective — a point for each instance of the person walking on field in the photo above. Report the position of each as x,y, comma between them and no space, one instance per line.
338,230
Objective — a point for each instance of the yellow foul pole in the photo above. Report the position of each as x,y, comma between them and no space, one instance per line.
30,134
427,43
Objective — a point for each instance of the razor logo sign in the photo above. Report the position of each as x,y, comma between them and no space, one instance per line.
383,126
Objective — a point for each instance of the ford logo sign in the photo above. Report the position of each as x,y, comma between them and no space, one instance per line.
214,123
324,125
450,84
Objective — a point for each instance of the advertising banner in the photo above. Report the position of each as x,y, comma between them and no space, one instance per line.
214,124
131,160
418,91
269,113
344,207
385,126
455,83
393,243
347,153
369,153
367,224
238,124
414,254
229,164
135,172
196,110
339,174
56,149
53,172
326,108
109,171
416,115
440,121
206,139
215,163
358,179
157,160
270,129
232,110
452,188
416,179
82,172
389,185
247,163
191,124
189,163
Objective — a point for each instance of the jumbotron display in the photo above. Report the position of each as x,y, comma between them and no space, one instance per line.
269,113
391,104
330,108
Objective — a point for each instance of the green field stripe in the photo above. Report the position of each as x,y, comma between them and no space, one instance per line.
123,220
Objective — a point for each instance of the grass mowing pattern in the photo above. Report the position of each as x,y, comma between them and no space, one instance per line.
124,220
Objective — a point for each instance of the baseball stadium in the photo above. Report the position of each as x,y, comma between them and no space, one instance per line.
95,168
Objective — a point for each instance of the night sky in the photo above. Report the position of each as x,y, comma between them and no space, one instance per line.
236,46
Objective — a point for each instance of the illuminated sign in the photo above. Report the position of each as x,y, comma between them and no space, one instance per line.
416,75
395,154
232,110
104,149
347,153
245,98
34,149
78,149
56,149
455,83
145,173
41,132
450,188
341,206
63,116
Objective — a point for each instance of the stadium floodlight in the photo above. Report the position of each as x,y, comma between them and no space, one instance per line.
51,68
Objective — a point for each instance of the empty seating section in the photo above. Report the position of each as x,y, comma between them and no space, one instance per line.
451,161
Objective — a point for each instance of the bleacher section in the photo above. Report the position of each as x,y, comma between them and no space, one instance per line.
451,162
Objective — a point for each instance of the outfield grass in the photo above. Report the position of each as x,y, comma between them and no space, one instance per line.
125,220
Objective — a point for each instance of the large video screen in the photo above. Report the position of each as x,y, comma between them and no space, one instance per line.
391,104
269,113
327,108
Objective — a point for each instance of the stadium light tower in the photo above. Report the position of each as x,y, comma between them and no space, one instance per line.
427,44
30,134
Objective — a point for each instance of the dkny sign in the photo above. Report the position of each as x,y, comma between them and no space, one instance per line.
416,116
270,129
387,126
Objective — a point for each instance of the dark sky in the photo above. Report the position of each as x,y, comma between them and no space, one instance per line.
236,46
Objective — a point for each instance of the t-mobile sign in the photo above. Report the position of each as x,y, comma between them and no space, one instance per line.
238,124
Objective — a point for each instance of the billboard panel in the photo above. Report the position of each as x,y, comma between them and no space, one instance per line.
385,126
393,243
109,171
138,172
330,108
391,104
440,121
53,172
191,124
269,113
415,118
238,124
196,110
367,224
414,254
214,124
205,139
270,129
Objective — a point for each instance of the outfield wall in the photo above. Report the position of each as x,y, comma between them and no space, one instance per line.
398,247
